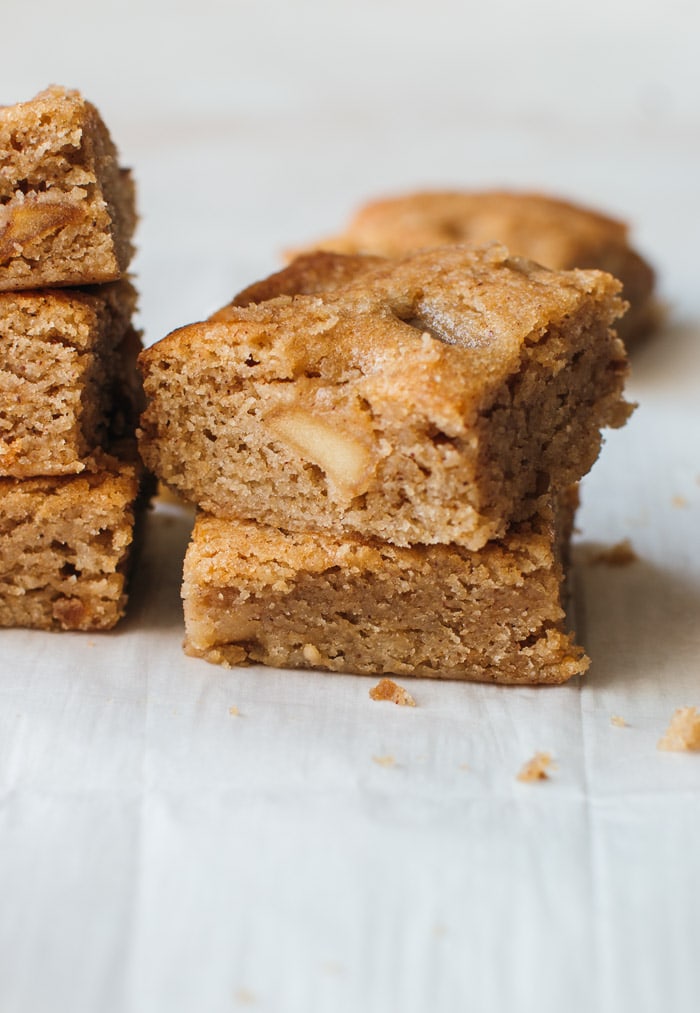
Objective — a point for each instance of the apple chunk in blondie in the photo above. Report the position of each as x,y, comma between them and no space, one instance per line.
431,399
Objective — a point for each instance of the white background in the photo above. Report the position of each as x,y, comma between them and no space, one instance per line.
160,854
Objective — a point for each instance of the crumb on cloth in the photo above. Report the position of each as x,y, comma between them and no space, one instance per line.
384,761
616,720
234,712
387,689
620,554
680,502
537,769
683,732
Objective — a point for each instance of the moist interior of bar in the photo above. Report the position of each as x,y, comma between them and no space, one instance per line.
535,430
256,595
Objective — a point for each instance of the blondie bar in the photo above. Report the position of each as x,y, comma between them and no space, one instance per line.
432,399
255,594
66,208
67,361
553,232
64,547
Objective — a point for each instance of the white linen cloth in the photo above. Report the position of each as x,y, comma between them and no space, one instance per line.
160,853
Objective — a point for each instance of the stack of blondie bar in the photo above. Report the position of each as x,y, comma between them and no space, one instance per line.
69,481
385,455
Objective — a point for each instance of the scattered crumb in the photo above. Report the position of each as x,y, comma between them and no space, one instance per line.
386,689
464,766
536,768
384,761
683,733
616,720
312,654
679,502
621,554
234,712
91,643
245,997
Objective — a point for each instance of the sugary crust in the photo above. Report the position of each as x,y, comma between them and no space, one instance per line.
64,547
309,274
67,362
462,383
257,595
67,210
553,232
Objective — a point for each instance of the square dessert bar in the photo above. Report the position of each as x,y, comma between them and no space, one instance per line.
64,547
556,233
67,210
65,359
254,594
432,399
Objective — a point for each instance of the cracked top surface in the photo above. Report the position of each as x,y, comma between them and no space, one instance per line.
557,233
434,328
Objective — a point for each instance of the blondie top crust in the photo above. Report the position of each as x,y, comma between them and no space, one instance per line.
308,274
67,211
433,399
553,232
65,545
67,365
254,594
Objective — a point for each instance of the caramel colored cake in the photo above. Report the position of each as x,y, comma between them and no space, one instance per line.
553,232
64,359
308,274
64,547
257,595
434,399
66,208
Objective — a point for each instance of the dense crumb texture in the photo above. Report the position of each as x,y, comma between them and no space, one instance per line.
64,547
387,689
67,210
67,376
553,232
683,733
432,399
257,595
536,769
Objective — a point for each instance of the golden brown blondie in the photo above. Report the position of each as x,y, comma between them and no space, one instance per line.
64,359
64,547
432,399
557,233
67,209
254,594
